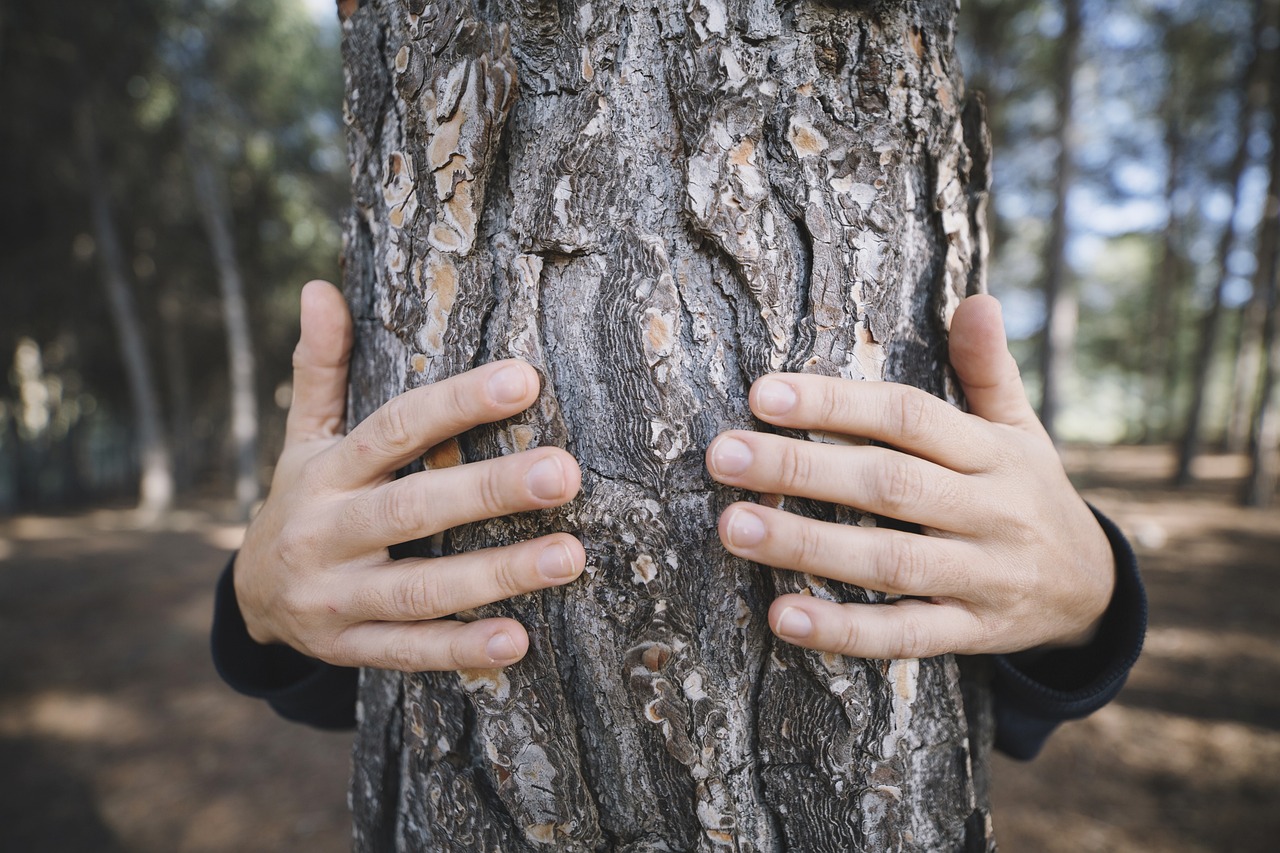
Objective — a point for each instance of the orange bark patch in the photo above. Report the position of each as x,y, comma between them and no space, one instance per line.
659,333
347,8
446,454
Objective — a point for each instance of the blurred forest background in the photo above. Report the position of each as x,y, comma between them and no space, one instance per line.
175,170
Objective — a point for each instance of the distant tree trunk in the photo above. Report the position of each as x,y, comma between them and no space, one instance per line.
1253,89
215,214
1057,345
654,205
1245,375
1166,294
156,482
1264,447
178,381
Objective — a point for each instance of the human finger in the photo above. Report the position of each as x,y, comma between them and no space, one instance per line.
872,479
411,423
432,646
889,561
907,628
987,371
895,414
414,590
429,502
320,364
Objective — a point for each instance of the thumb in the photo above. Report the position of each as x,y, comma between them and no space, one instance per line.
987,370
320,365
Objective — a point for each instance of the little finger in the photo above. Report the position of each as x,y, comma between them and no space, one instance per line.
416,589
438,645
907,628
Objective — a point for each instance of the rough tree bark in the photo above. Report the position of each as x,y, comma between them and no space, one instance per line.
655,203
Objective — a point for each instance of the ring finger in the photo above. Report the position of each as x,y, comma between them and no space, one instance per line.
888,561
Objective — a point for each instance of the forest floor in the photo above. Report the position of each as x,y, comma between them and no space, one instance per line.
116,735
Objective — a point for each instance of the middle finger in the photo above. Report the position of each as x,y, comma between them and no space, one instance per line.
873,479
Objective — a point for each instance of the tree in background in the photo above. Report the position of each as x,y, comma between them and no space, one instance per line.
268,129
654,206
1254,83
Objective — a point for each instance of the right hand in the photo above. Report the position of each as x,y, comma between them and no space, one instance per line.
314,571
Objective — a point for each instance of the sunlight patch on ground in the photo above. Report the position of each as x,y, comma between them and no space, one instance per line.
72,717
1189,644
227,537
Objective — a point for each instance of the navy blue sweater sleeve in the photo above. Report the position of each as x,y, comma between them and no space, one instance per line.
1036,691
297,687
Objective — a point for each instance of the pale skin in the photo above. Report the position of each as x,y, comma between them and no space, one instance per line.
1009,557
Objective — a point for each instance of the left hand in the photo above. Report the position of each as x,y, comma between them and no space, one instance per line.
1009,557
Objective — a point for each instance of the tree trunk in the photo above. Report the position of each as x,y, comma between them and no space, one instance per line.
1254,82
156,481
1166,293
1057,345
1264,447
655,204
178,383
215,214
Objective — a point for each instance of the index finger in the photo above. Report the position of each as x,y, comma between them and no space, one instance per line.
407,426
898,415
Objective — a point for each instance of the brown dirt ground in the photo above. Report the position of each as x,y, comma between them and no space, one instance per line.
115,734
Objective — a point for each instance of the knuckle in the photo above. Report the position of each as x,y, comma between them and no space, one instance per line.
808,544
393,430
402,652
904,569
459,396
916,421
298,545
493,490
902,484
795,467
458,650
850,638
509,574
404,508
418,595
832,404
915,638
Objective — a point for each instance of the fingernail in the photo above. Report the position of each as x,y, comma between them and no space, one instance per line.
730,456
509,385
775,397
555,563
546,479
501,649
794,624
745,529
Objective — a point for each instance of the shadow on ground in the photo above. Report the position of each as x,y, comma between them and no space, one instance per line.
115,734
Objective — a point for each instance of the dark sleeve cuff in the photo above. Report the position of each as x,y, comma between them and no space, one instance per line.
1036,692
298,688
